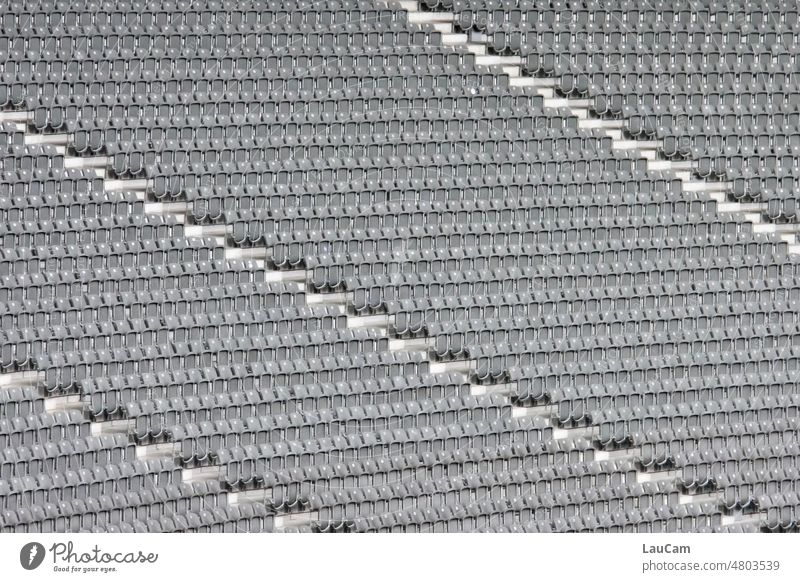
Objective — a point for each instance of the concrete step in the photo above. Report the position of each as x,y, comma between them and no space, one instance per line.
295,519
703,186
749,207
635,144
250,496
476,49
601,123
19,379
285,276
430,17
454,39
178,208
61,403
533,82
247,254
326,299
204,230
369,321
502,389
158,451
667,165
111,427
87,163
490,60
15,116
61,139
126,185
461,366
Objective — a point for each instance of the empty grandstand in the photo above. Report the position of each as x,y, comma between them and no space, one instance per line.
354,266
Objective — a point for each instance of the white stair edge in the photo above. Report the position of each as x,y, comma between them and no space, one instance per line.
416,17
770,228
250,496
703,186
734,519
166,208
645,476
295,519
476,49
462,366
601,124
326,299
613,455
714,496
87,163
60,403
280,276
60,139
357,321
15,116
18,379
636,144
206,230
415,344
540,82
211,473
489,60
744,207
258,254
522,82
158,451
125,185
588,432
667,165
485,389
111,427
556,102
454,39
546,410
